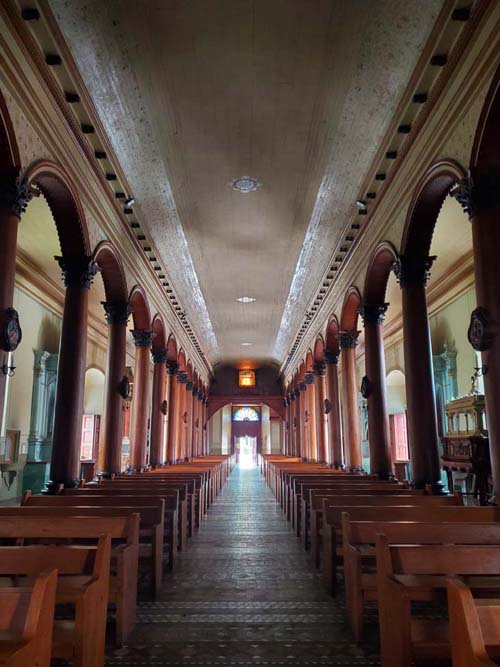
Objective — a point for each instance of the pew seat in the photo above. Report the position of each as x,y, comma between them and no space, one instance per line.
82,582
26,623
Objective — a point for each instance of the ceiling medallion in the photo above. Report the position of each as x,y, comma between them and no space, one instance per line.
246,184
246,299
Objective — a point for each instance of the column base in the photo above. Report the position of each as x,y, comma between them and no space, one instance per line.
436,488
357,470
53,487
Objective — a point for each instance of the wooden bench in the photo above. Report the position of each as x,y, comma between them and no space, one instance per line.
26,623
407,573
82,582
37,524
152,552
470,627
359,538
332,526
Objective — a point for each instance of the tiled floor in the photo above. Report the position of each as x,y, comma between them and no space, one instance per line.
244,593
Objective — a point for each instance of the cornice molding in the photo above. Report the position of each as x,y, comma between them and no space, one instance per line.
35,89
467,79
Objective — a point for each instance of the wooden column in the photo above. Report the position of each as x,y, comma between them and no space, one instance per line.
15,195
352,427
298,423
304,425
194,435
420,395
172,368
110,450
335,452
321,416
78,274
291,417
156,456
181,417
205,448
480,198
375,391
288,432
311,408
189,423
140,402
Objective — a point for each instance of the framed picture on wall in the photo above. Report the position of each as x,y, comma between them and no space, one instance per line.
12,439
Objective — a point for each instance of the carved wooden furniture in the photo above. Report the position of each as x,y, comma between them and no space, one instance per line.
465,446
26,621
469,626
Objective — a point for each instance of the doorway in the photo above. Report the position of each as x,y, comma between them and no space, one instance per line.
246,451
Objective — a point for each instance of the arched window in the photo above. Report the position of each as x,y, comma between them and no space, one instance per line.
246,415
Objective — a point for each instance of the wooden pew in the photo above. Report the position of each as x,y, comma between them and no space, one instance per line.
36,524
332,526
319,500
26,623
407,573
82,640
359,538
151,527
467,620
309,518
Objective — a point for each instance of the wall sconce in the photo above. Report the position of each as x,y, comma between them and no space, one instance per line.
10,371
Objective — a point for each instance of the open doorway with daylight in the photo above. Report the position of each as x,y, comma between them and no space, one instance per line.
246,434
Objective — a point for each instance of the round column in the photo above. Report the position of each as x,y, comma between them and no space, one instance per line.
78,274
352,427
15,195
375,390
142,340
479,196
206,444
188,452
110,450
299,449
172,368
156,455
181,417
423,438
321,416
335,453
310,380
304,439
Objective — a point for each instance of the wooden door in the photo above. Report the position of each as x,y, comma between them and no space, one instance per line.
399,437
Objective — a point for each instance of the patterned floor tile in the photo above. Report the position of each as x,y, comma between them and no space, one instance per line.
244,593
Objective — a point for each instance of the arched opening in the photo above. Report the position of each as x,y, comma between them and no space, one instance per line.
436,237
93,405
396,409
159,334
354,409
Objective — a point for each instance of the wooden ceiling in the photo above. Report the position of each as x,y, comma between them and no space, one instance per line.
294,93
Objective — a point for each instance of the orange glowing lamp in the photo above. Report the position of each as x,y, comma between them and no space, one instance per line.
246,379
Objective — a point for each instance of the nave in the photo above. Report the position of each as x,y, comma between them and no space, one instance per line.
244,593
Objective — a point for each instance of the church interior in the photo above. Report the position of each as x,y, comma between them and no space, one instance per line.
249,333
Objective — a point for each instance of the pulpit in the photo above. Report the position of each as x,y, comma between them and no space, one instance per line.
465,446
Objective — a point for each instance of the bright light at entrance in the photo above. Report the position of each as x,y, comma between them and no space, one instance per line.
246,451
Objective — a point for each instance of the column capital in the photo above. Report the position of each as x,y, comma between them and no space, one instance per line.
189,385
348,339
172,367
297,390
15,191
181,377
331,358
478,192
116,312
373,313
199,393
320,369
309,378
77,271
413,272
142,337
159,356
195,391
291,396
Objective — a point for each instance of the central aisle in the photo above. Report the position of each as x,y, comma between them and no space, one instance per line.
244,593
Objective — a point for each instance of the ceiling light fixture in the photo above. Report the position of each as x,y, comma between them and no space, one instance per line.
246,344
130,201
246,299
245,184
361,204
